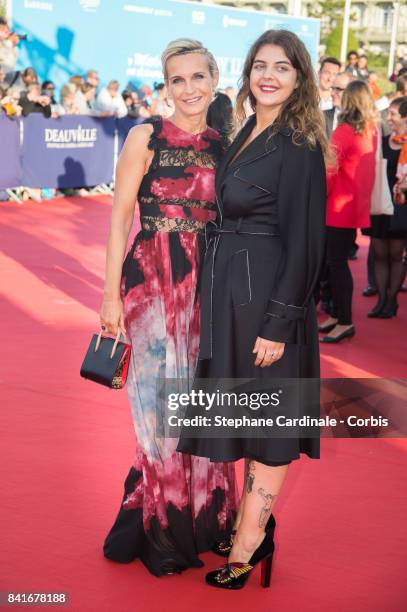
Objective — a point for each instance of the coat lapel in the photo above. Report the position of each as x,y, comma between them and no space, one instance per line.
246,157
231,152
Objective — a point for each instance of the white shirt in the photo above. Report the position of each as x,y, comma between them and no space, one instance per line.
326,104
336,115
106,104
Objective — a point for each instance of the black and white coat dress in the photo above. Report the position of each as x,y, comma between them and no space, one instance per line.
262,262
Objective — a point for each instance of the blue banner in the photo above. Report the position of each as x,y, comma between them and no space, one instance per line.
72,151
124,39
124,125
10,172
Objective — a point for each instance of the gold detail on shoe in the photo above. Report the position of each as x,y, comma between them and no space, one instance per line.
226,546
230,572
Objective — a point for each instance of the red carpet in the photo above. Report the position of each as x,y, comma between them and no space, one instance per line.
68,444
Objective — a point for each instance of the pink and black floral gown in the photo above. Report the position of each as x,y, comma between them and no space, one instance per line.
174,506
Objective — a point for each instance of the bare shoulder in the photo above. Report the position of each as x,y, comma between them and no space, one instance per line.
139,136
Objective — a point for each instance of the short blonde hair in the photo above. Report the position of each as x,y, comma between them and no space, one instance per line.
182,46
68,90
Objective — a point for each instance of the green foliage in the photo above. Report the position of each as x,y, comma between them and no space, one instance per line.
330,12
334,41
2,8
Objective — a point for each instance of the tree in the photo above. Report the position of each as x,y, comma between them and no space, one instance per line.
334,40
330,12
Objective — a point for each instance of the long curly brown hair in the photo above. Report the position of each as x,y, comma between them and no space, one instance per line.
300,112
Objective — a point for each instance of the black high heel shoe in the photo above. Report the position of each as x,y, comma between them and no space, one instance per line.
348,333
223,548
325,329
376,310
234,575
389,311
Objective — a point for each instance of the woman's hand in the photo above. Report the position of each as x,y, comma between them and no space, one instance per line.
112,316
268,352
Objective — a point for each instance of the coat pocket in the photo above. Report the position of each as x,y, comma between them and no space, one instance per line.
240,275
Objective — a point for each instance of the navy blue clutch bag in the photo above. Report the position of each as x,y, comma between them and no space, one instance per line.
107,361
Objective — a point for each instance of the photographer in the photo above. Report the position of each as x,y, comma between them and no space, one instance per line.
8,47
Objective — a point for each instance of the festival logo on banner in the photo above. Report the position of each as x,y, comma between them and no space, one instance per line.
38,5
144,65
90,6
198,17
70,138
231,22
146,10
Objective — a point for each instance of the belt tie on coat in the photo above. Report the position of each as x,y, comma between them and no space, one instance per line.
213,233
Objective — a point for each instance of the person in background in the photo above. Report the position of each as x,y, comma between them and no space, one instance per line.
110,101
350,185
220,117
92,78
342,80
9,103
352,65
373,85
330,67
160,105
3,82
67,104
339,85
388,245
20,81
231,93
323,291
401,85
8,47
399,69
48,89
363,70
80,100
89,93
135,108
32,101
146,95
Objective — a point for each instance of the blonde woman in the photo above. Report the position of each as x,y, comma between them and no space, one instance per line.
174,505
350,188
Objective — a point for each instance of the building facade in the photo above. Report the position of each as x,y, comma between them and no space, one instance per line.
372,19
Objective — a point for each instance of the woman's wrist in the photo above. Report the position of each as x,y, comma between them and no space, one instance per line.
109,296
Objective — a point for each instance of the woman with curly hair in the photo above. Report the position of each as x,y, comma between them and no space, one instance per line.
263,260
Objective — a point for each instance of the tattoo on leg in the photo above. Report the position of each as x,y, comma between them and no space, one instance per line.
250,476
265,511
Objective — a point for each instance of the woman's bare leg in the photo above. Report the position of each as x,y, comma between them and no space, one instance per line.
262,485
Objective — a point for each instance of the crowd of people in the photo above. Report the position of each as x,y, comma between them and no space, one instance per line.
365,128
22,92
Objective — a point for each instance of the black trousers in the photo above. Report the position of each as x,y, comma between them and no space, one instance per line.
339,242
